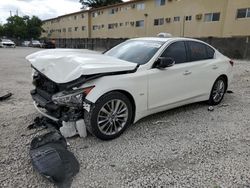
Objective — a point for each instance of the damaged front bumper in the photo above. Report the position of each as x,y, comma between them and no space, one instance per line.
44,113
55,112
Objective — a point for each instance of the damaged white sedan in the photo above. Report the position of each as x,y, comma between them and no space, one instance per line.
138,77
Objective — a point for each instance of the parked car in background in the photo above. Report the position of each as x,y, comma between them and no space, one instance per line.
7,43
35,43
48,44
137,78
25,43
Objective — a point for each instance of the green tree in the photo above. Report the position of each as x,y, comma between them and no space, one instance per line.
34,27
23,27
15,27
1,30
98,3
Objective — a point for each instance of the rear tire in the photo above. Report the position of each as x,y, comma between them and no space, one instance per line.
109,116
218,91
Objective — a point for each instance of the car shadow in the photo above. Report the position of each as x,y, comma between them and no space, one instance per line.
173,112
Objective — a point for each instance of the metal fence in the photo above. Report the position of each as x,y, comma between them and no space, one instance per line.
88,43
235,47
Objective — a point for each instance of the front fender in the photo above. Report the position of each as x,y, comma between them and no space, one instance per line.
135,84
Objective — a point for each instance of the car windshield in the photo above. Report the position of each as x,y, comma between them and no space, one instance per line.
136,51
35,41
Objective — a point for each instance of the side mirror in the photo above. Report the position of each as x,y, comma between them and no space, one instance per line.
164,62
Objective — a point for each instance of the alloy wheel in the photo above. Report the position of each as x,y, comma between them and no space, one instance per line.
112,117
218,91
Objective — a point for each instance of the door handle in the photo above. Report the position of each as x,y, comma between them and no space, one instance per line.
187,73
214,67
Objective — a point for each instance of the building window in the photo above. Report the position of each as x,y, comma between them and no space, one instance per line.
140,6
159,21
111,11
188,18
176,18
83,28
94,14
126,23
243,13
212,17
75,17
126,8
82,15
121,24
112,26
69,29
64,29
76,28
160,2
139,23
96,27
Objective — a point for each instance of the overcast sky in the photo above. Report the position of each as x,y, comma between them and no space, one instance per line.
44,9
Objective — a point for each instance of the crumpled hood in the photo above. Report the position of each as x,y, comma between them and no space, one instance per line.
65,65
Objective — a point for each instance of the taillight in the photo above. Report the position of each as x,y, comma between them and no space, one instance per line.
231,63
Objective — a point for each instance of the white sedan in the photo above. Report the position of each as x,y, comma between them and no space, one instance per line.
4,43
134,79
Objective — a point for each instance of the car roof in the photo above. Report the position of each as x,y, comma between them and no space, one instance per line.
166,39
171,39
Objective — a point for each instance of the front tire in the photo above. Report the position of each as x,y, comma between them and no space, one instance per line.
109,116
218,91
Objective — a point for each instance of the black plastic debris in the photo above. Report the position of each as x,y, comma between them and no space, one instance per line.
230,91
44,122
52,160
5,96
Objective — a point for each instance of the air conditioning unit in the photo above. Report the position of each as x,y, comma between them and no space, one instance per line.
168,20
198,16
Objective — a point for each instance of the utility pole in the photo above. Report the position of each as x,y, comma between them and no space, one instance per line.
17,12
10,13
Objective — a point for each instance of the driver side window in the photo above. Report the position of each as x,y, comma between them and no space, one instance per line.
176,51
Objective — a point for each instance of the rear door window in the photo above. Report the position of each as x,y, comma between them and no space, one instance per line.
210,52
199,51
176,51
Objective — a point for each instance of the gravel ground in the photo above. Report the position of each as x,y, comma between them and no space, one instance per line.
183,147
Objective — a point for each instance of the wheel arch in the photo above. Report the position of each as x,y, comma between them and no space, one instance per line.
226,79
124,92
132,100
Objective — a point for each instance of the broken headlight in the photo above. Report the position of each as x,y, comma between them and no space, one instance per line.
72,98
